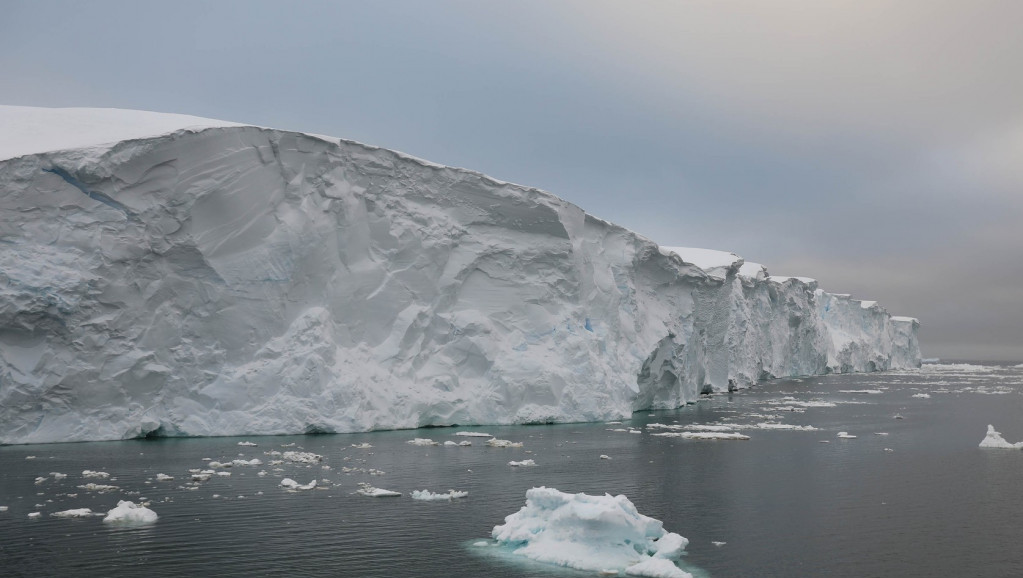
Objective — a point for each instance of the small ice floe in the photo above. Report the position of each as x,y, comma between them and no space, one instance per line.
202,475
496,443
703,435
224,474
30,458
865,391
291,484
473,434
846,435
889,450
163,478
709,427
101,488
77,513
368,490
247,444
34,515
922,395
302,457
635,431
428,496
362,446
128,512
58,475
613,422
898,416
880,433
591,533
252,462
785,426
995,440
3,508
719,544
523,464
41,479
92,474
604,457
422,442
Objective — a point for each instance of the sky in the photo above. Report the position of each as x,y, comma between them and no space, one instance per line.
876,146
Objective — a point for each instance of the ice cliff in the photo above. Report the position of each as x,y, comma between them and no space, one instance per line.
168,275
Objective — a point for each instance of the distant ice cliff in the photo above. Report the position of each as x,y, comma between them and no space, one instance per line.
179,276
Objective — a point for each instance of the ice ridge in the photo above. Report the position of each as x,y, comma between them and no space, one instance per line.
220,279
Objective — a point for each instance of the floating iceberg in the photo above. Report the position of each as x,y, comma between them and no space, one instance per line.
994,439
703,435
496,443
302,457
258,281
291,484
592,533
373,492
76,513
428,496
130,513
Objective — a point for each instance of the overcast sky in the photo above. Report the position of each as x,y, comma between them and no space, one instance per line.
875,146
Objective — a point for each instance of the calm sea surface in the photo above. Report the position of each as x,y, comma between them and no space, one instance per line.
922,500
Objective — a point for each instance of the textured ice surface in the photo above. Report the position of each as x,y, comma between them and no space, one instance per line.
235,280
994,439
130,513
595,533
428,496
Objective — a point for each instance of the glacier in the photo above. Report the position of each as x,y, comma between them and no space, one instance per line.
165,275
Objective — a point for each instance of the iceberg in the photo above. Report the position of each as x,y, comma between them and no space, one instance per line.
593,533
994,439
374,492
75,513
165,275
128,512
428,496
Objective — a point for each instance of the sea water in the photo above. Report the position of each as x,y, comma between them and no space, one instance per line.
922,500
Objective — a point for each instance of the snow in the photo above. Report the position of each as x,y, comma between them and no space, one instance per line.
591,533
373,492
247,281
428,496
29,130
713,262
994,439
130,513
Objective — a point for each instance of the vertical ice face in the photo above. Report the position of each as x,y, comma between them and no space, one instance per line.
237,280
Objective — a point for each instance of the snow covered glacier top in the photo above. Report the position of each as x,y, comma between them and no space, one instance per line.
171,275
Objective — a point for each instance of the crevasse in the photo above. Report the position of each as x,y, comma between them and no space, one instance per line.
235,280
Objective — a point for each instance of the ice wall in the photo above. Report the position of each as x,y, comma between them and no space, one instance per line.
235,280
